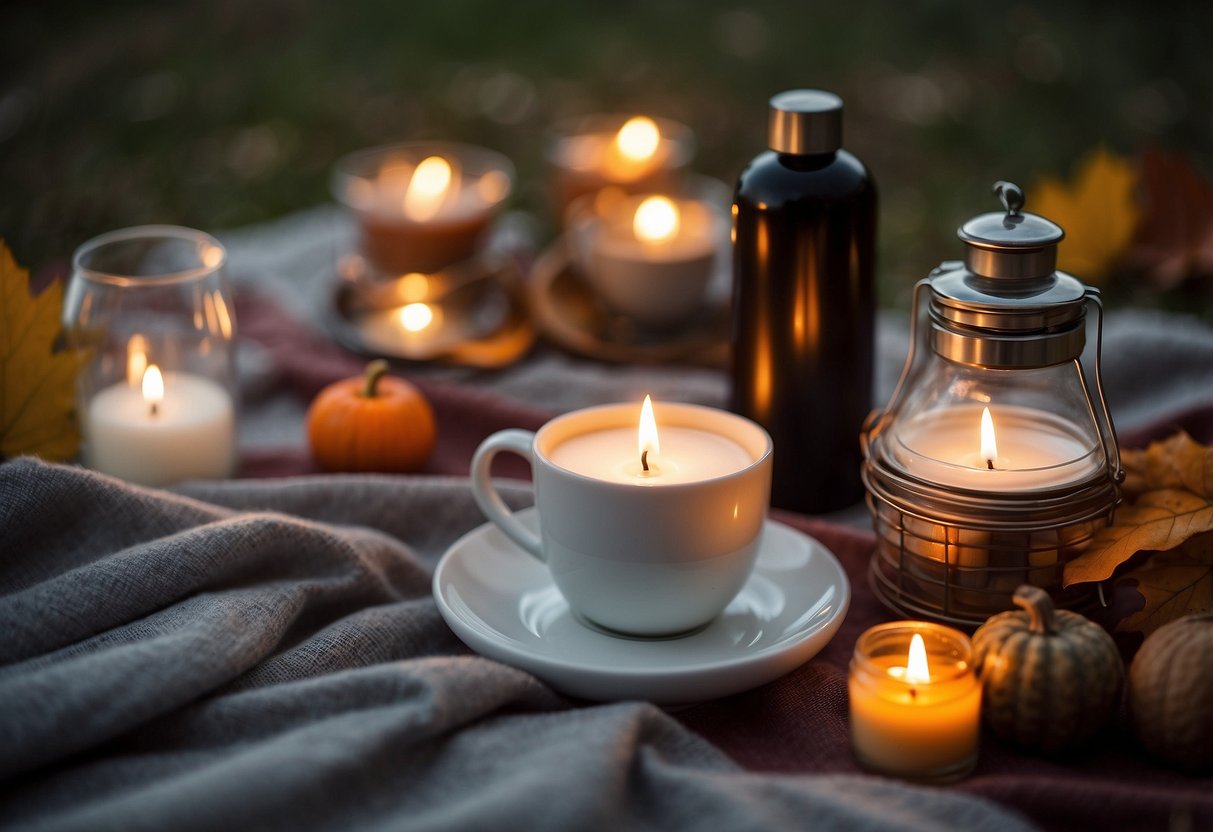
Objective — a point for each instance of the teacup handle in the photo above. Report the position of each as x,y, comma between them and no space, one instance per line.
515,441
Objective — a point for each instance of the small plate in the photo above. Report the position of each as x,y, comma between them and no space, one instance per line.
502,603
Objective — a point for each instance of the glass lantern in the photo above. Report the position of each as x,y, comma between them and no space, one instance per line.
157,400
995,461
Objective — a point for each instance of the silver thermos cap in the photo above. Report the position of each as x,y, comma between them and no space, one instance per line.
805,122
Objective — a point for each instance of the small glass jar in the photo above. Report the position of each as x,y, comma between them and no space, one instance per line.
157,400
422,207
916,717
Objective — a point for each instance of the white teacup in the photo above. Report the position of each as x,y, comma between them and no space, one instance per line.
653,554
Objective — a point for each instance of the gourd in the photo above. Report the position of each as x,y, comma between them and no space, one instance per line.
372,423
1050,679
1171,691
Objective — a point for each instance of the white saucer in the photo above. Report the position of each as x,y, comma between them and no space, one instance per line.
502,603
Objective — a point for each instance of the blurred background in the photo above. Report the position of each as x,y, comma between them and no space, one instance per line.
223,113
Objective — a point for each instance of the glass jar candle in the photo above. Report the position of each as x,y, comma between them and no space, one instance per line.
157,400
915,702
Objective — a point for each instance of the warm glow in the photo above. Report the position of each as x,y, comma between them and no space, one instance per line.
153,386
648,431
638,138
493,186
414,287
416,316
656,220
989,448
136,359
917,671
427,188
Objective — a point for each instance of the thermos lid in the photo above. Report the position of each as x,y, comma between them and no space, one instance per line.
805,122
1013,244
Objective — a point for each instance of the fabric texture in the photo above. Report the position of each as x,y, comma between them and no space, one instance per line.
271,657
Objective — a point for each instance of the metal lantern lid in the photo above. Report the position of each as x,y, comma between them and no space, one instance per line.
1005,306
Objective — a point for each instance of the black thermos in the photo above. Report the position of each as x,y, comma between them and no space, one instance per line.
804,301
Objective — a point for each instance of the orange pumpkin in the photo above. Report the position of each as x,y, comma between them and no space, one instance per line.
373,423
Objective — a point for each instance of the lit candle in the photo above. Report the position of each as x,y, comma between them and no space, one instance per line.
421,208
639,155
643,456
651,258
169,428
996,448
915,701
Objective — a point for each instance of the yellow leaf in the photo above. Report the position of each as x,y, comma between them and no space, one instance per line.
37,385
1168,494
1097,210
1173,584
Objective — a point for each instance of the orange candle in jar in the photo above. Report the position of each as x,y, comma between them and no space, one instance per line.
915,701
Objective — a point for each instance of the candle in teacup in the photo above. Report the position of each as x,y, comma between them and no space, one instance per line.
631,154
651,456
425,206
168,428
651,257
996,448
915,701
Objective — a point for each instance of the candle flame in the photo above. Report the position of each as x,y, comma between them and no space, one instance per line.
648,443
427,188
136,359
638,138
656,220
153,387
917,671
415,317
989,447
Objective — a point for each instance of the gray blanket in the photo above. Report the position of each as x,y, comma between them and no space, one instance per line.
267,655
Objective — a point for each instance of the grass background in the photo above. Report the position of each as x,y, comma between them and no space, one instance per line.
222,113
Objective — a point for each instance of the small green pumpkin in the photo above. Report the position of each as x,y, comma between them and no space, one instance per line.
1171,692
1050,679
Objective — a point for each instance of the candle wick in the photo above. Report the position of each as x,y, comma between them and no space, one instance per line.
155,409
990,464
644,460
913,693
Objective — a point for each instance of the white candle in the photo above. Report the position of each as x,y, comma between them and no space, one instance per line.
683,454
652,259
1035,450
189,434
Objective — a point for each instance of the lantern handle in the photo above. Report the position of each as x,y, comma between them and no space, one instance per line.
1104,417
878,419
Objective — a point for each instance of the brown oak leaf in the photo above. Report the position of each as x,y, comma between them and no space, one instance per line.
1174,239
1173,584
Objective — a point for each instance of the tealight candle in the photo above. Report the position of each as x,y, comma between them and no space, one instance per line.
425,206
170,427
651,257
632,154
915,701
996,448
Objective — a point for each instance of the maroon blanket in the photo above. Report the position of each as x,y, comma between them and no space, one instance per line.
797,724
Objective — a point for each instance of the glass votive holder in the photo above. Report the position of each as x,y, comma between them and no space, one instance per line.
915,701
632,154
157,399
422,206
651,256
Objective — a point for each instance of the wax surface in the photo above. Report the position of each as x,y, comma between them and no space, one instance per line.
1035,450
191,436
687,455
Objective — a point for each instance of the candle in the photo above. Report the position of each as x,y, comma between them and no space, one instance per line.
676,454
169,428
1023,449
422,207
651,258
631,155
915,702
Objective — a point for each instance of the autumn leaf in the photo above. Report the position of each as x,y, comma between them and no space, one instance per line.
1168,494
1097,210
37,385
1173,584
1174,240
